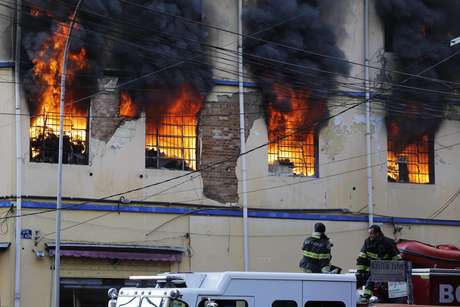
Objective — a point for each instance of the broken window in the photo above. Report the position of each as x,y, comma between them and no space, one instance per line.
293,155
412,163
44,138
171,143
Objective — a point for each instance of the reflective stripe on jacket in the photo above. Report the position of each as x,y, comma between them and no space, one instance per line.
382,248
316,254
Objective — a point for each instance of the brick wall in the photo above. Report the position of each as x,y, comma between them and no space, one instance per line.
220,138
105,109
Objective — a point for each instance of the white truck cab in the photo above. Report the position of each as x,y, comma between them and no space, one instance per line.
238,289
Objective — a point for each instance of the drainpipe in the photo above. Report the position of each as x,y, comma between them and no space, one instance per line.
17,94
368,114
57,254
243,137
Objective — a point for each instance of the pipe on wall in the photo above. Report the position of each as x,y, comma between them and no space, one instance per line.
17,94
370,200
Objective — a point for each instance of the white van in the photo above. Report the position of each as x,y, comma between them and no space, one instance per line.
238,289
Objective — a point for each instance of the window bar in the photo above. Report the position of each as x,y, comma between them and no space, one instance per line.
157,139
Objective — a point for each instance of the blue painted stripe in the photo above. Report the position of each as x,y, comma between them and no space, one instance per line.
6,64
269,214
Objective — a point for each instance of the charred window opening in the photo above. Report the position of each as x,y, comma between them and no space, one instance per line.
44,138
293,155
172,144
412,163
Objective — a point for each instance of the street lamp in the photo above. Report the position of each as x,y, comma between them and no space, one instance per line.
57,254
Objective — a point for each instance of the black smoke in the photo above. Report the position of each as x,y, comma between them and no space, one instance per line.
133,40
421,31
294,59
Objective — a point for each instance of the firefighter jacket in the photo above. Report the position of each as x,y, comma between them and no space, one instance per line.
316,254
382,248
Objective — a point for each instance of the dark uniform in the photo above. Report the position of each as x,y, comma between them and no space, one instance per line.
316,254
381,248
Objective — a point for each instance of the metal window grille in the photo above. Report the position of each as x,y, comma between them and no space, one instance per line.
413,164
293,155
44,139
172,144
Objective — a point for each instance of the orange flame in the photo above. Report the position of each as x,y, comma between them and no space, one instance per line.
35,12
172,132
292,138
127,106
411,163
47,68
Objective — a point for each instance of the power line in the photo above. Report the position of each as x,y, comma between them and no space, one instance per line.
287,63
251,36
192,172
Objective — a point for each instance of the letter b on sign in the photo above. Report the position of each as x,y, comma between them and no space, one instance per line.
447,295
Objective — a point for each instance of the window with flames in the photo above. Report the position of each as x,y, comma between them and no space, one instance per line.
172,144
44,124
414,163
293,155
44,138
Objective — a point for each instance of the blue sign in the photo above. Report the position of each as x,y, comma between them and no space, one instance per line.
26,234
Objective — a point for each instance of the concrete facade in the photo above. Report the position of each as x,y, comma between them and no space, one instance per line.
214,242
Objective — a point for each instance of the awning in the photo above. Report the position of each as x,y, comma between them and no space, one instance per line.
118,252
4,245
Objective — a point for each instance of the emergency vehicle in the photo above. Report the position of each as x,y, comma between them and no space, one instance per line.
238,289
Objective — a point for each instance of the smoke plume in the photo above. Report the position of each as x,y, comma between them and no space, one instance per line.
421,34
134,40
296,24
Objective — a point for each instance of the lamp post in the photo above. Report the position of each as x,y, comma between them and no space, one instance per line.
57,254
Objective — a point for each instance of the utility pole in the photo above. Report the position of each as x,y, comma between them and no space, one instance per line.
370,198
57,254
17,94
243,138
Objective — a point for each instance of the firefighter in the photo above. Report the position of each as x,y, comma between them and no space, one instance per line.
376,247
316,252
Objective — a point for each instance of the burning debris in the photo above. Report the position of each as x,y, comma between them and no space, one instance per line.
420,32
295,83
161,52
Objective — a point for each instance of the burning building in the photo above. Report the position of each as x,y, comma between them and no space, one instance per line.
295,84
141,136
417,33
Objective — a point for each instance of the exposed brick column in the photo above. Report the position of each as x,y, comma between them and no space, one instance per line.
219,132
105,108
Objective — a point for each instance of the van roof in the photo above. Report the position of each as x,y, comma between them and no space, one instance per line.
216,280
